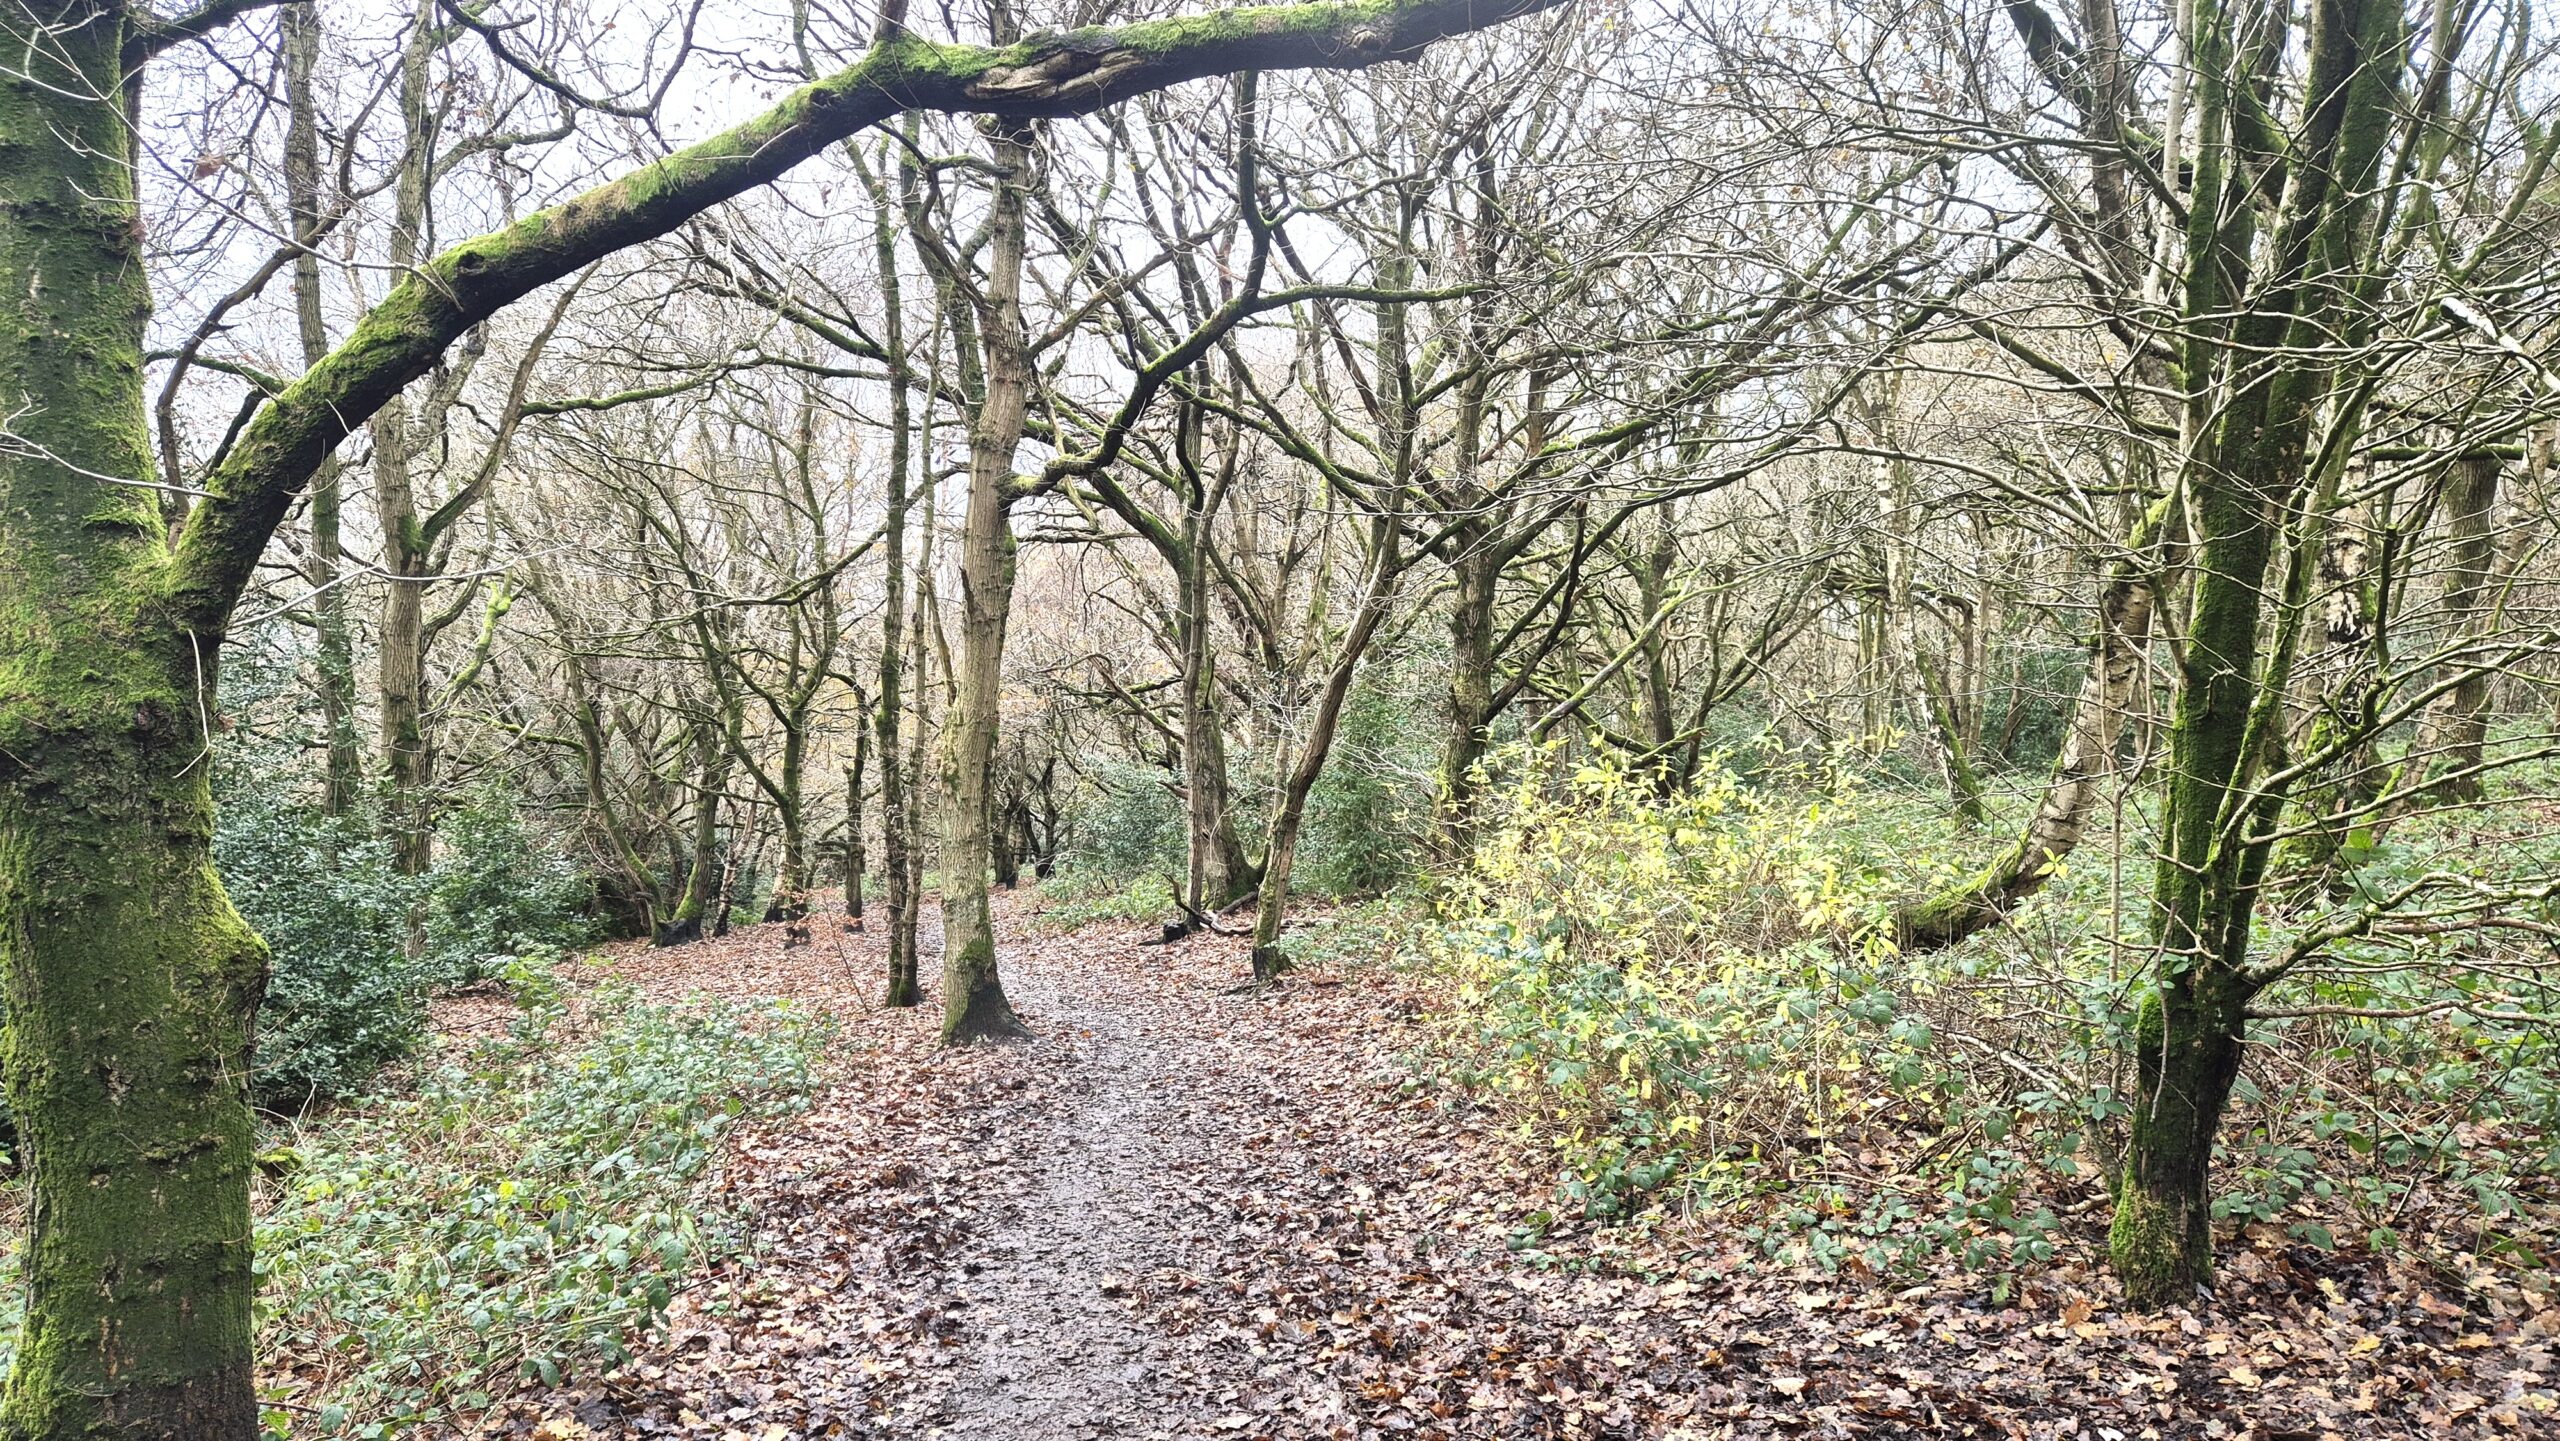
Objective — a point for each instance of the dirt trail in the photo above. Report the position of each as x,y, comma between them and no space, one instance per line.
1182,1214
1056,1351
971,1244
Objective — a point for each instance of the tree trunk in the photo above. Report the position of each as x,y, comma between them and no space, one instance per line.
973,1000
2204,898
1006,839
737,863
335,662
919,763
2186,1058
896,835
1659,702
2080,771
790,900
2334,688
1955,757
1475,563
401,660
131,983
711,769
2459,737
855,857
1220,871
1470,695
1046,845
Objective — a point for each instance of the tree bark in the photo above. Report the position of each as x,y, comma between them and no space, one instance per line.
1475,562
790,900
335,662
401,656
711,770
1006,839
973,1001
2245,473
2458,737
1955,756
1219,870
2186,1060
1474,572
1658,696
131,983
855,858
896,835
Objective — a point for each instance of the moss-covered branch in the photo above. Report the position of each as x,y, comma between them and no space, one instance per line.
1044,76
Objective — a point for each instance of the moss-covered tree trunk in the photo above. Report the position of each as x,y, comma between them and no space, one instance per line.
2279,284
790,900
1946,726
702,868
2204,894
2186,1061
130,981
1219,871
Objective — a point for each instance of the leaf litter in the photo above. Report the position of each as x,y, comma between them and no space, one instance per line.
1188,1212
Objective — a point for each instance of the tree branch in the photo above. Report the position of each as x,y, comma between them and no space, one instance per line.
1049,76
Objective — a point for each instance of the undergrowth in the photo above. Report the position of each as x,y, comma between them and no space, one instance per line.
519,1210
1688,1001
1082,897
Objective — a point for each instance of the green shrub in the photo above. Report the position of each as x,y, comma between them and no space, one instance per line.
344,997
1371,809
498,889
1668,985
1131,825
523,1213
1687,1000
347,993
1082,897
1686,997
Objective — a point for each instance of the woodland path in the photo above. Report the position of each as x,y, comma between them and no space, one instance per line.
1056,1353
1185,1214
972,1244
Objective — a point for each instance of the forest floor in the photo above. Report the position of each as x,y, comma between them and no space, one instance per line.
1184,1212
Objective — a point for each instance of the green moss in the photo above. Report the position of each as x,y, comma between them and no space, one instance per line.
974,1004
2154,1250
130,981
